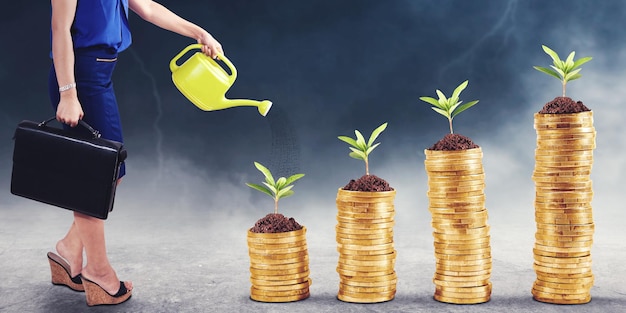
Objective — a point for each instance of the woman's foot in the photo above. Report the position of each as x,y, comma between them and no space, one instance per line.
73,254
96,295
60,272
105,279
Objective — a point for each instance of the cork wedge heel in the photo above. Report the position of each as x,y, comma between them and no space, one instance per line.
96,295
61,274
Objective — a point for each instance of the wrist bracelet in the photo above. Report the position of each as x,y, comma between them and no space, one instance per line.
67,87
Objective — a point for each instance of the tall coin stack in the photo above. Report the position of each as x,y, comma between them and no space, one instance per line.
563,213
365,244
456,183
279,266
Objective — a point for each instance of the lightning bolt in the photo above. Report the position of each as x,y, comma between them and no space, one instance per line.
159,113
507,15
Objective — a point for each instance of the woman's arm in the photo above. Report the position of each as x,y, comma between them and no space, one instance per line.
160,16
69,110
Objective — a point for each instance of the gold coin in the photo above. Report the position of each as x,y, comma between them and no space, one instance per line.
285,287
566,117
558,297
571,293
261,265
381,257
364,242
462,231
443,268
436,177
456,278
564,287
563,265
388,268
365,196
365,216
563,249
559,271
470,253
361,263
486,292
381,280
289,277
263,298
468,242
483,246
456,216
344,251
543,152
588,279
454,154
558,300
262,252
346,272
555,260
450,288
580,228
282,293
463,273
562,238
374,297
278,272
462,257
476,300
277,248
572,209
565,244
464,262
364,207
369,226
543,252
342,229
284,282
475,188
361,289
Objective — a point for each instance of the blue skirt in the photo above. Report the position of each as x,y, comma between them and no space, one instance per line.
93,70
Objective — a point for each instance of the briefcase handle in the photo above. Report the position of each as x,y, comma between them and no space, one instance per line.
95,133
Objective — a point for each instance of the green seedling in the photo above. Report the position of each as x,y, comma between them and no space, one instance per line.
564,71
361,149
449,107
277,189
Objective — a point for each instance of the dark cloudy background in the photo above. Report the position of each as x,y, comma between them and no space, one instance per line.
331,67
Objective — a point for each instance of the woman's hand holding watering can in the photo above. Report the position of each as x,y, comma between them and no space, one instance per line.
210,46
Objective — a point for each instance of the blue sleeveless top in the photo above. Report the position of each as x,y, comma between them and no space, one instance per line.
101,24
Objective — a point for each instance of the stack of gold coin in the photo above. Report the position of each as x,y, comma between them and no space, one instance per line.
563,213
279,266
456,183
365,244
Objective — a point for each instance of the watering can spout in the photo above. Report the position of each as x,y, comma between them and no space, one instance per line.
263,106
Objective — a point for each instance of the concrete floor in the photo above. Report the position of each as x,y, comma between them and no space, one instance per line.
193,260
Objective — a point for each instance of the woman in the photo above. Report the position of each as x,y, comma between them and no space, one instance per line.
86,38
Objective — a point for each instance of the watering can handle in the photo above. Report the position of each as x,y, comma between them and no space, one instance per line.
174,66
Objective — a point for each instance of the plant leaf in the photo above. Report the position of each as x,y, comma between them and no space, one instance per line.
559,71
574,77
581,61
443,100
285,190
547,71
572,74
287,194
360,141
458,90
293,178
348,140
551,53
359,155
268,175
375,134
370,149
430,100
440,111
280,183
464,107
260,188
272,188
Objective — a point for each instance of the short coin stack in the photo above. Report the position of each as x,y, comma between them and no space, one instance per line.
563,212
456,183
365,244
279,266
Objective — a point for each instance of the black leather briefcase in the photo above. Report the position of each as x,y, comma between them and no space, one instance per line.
66,168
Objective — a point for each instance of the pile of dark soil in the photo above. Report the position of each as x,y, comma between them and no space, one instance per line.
454,142
563,105
368,183
275,223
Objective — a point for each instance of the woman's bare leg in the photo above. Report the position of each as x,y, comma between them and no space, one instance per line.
71,249
98,268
